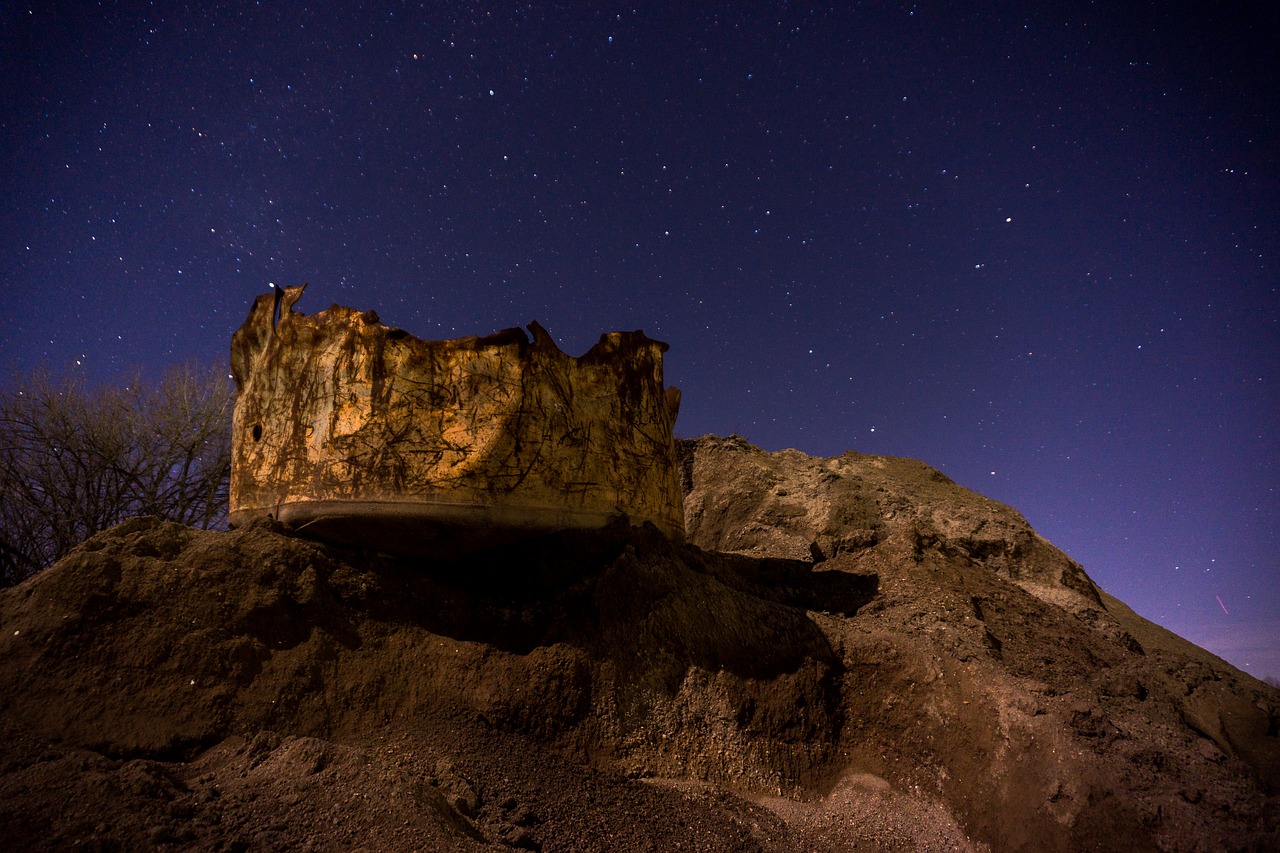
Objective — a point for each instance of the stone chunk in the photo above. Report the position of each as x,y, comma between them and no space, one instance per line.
356,432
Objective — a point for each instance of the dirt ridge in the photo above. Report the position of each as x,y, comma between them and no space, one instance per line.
851,653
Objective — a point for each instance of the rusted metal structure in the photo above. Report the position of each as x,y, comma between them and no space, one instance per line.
356,432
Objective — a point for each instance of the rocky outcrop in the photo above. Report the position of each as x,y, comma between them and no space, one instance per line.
355,432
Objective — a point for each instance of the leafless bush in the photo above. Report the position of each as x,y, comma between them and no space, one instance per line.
75,460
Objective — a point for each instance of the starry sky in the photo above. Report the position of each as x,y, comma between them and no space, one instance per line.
1033,244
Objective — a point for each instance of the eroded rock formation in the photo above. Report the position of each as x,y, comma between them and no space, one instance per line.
356,432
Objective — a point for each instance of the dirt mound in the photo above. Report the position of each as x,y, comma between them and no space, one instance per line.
996,675
931,675
742,499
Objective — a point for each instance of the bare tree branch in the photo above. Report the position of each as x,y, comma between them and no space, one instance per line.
75,460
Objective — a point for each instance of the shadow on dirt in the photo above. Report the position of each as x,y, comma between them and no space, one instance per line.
576,587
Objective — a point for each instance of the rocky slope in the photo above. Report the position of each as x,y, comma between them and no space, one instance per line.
851,654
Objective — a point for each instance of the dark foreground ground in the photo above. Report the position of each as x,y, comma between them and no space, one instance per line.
854,654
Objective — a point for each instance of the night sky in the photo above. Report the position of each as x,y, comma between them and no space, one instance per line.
1036,245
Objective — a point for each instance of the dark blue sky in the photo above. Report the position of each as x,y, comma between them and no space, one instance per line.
1034,245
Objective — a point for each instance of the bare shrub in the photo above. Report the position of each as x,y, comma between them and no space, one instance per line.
75,460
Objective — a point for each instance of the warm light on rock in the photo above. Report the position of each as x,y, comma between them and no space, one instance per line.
356,432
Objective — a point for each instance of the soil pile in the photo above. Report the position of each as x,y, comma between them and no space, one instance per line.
851,654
